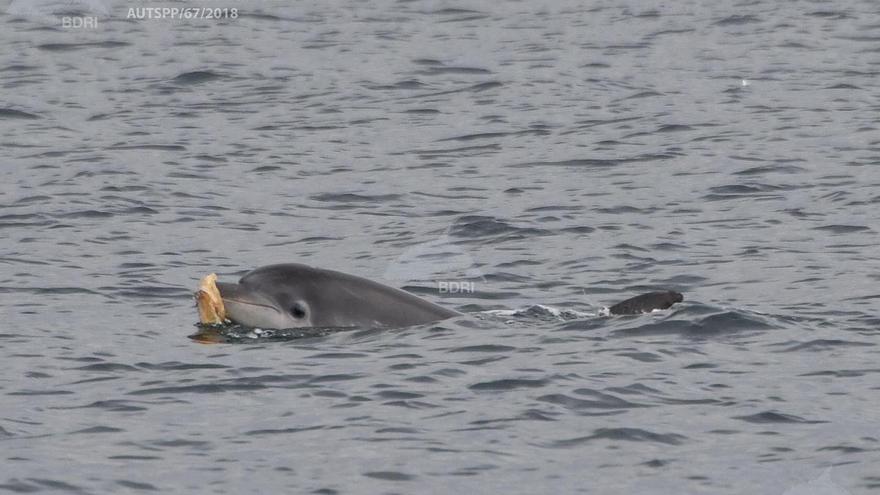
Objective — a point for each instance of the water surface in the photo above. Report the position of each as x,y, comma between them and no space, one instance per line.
555,157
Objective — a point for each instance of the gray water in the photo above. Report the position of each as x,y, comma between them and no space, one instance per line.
555,157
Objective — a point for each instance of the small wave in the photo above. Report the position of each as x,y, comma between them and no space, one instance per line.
508,384
9,113
278,431
775,417
355,198
97,429
674,128
389,475
624,434
150,147
767,169
476,88
484,348
62,47
405,84
736,20
196,77
455,70
715,323
818,345
490,229
594,400
494,135
203,388
597,162
842,229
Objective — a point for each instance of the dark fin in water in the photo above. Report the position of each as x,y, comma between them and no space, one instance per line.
646,303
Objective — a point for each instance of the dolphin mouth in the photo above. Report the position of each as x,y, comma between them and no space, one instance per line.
241,301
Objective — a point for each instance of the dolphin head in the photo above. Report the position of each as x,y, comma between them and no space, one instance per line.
295,296
269,298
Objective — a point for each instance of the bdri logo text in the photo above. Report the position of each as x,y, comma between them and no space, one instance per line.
456,287
72,14
79,22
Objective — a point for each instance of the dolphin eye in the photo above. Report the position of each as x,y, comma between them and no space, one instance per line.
297,310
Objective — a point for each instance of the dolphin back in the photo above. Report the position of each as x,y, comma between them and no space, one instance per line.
646,303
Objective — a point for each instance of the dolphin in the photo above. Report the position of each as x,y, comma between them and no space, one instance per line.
294,296
646,303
